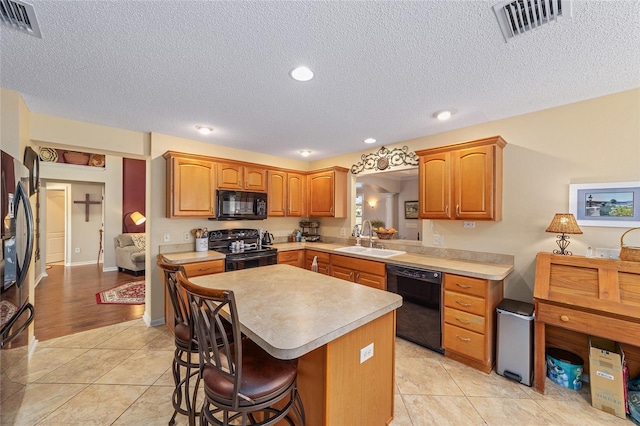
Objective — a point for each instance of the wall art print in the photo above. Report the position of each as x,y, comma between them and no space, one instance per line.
614,204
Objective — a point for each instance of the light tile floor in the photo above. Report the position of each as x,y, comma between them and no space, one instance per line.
120,375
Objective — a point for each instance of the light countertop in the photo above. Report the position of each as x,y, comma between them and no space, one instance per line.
484,270
470,268
291,311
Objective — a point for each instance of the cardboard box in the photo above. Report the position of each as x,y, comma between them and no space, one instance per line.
606,378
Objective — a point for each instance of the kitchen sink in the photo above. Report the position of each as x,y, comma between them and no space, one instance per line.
368,251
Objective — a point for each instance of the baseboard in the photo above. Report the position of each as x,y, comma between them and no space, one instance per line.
86,262
154,323
33,344
110,269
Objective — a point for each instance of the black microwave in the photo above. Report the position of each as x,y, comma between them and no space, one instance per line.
241,205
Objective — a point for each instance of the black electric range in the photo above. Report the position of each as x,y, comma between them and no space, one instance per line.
243,248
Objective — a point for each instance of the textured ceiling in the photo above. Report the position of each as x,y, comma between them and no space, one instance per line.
382,68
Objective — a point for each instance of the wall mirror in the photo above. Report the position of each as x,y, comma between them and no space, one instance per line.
389,197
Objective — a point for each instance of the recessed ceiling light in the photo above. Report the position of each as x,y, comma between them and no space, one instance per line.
443,115
370,140
301,74
205,130
305,153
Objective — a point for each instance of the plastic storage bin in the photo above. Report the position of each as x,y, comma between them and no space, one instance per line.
564,368
514,358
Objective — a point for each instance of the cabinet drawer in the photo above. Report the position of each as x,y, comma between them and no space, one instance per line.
465,320
196,269
370,266
289,256
463,341
466,285
463,302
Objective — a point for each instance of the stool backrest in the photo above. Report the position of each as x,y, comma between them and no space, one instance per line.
212,311
182,312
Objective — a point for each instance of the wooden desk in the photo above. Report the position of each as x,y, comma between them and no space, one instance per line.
575,297
324,322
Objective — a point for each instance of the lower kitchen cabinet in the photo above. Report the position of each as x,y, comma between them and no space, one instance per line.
366,272
323,260
292,257
192,269
469,316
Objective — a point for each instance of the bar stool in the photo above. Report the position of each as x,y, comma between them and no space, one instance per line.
184,366
239,378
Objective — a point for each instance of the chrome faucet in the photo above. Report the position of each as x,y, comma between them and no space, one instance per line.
370,232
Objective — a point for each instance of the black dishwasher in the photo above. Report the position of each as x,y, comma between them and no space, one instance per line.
419,319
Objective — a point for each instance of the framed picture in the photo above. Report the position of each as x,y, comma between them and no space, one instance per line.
606,204
410,209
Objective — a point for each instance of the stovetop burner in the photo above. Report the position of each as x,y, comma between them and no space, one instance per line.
226,241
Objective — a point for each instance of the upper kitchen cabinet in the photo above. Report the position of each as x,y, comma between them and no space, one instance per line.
238,176
327,193
462,181
286,194
191,183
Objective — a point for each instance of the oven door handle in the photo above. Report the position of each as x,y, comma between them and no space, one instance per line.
251,258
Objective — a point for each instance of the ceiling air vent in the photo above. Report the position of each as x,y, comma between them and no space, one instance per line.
19,15
523,16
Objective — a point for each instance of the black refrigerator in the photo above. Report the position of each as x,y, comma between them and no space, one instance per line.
16,313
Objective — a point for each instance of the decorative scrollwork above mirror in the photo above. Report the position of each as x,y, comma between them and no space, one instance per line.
385,159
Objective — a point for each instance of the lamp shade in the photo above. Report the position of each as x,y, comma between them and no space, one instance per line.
138,218
564,223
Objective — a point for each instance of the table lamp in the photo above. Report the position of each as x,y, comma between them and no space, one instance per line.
564,223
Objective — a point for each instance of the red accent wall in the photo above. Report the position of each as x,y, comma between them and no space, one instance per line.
134,186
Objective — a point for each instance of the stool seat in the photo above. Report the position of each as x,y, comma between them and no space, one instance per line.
263,376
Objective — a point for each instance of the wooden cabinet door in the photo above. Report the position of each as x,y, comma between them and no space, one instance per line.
473,183
255,178
190,188
295,198
230,176
321,194
277,193
371,280
343,273
323,261
435,186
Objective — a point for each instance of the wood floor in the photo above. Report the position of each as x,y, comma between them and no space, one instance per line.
65,301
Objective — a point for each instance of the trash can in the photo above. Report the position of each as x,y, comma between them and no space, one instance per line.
514,358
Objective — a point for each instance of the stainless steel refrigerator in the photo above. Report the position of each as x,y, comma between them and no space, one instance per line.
16,313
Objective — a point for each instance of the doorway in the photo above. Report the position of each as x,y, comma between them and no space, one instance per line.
55,220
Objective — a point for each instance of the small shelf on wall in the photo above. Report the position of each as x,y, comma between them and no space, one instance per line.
75,158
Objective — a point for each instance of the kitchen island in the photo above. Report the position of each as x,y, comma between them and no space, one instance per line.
329,324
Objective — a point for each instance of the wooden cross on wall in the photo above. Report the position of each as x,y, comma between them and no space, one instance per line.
87,203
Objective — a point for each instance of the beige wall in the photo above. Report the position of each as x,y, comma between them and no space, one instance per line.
591,141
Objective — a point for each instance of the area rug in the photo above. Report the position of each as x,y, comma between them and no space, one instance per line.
129,293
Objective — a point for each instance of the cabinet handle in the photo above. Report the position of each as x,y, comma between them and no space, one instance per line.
357,276
466,305
457,210
463,285
351,275
446,210
331,210
327,270
564,318
464,339
204,269
463,321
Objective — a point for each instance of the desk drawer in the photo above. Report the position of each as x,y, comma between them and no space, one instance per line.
463,302
464,319
463,341
620,330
